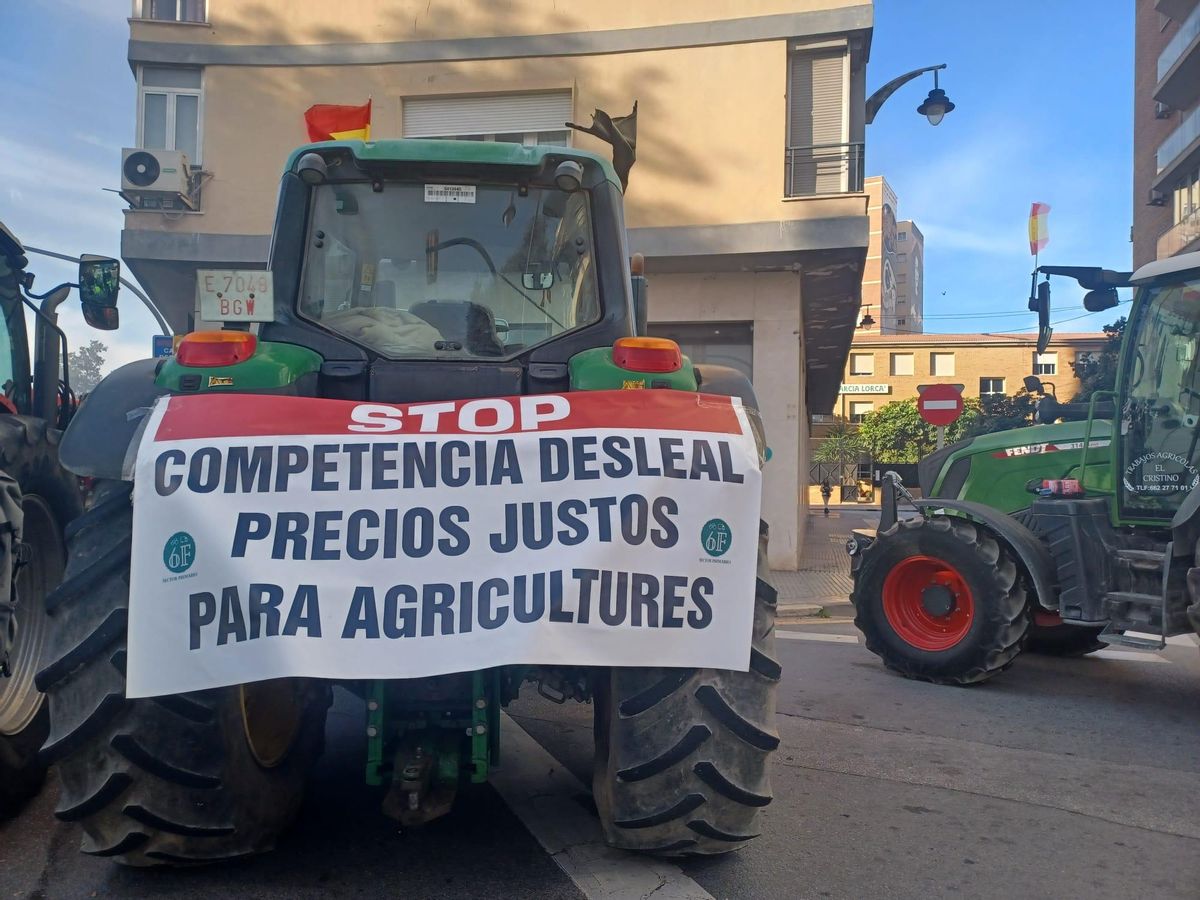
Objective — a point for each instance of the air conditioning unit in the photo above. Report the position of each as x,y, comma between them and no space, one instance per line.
1162,111
1156,198
156,179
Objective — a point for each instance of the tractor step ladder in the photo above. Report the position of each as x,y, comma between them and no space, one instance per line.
1142,559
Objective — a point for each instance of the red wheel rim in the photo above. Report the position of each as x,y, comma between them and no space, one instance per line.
904,603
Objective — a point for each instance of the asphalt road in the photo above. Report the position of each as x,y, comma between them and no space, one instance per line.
1062,778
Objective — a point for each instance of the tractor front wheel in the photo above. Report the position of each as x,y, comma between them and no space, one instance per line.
940,599
177,779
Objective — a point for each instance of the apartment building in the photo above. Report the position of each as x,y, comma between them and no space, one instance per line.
884,368
892,288
1166,129
746,200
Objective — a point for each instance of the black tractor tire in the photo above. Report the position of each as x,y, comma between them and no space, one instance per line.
1063,640
681,764
50,495
995,629
163,780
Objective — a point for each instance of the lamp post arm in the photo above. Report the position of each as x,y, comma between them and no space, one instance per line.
878,98
149,304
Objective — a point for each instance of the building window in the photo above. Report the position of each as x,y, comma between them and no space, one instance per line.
941,364
902,363
859,409
174,10
991,387
901,322
901,235
1045,364
1187,196
170,104
862,363
818,158
528,119
719,343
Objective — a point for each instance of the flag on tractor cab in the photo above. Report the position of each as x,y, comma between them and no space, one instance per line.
1039,229
329,122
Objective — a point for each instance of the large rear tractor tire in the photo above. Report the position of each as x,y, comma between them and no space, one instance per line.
48,496
179,779
681,754
940,599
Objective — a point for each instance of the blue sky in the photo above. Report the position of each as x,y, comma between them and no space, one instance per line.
1044,112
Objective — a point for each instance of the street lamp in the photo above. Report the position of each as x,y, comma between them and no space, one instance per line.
935,107
867,320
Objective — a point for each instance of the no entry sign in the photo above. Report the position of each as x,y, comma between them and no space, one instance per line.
940,404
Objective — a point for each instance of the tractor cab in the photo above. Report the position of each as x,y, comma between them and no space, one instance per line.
1158,394
494,263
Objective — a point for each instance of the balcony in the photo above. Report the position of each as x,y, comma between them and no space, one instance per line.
1178,152
1179,65
1175,9
823,169
1180,236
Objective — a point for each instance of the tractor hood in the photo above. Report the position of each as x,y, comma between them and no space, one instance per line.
997,468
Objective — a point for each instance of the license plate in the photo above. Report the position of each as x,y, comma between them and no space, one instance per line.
234,295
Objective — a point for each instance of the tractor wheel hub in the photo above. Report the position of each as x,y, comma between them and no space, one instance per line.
938,600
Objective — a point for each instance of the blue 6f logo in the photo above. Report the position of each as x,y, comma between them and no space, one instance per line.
179,552
715,537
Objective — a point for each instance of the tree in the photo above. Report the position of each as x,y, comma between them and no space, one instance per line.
85,365
1098,371
896,433
1003,413
841,444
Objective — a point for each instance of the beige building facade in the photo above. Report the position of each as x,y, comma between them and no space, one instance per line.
884,368
746,199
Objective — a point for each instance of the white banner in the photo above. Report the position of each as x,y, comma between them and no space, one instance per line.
281,536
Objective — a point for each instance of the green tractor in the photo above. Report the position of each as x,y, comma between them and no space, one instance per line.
402,272
1062,537
38,497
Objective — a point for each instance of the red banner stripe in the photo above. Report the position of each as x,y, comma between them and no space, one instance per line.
254,415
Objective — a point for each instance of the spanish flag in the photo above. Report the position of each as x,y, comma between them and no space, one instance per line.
1039,229
327,122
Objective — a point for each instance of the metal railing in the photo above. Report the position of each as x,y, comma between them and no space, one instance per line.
1188,29
823,169
1179,236
1178,140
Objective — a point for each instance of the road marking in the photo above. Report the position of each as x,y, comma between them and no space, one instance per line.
1132,655
816,636
547,805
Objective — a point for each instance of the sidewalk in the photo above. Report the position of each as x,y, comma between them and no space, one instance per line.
821,587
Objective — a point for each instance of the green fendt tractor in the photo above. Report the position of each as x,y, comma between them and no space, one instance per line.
1060,538
403,272
38,497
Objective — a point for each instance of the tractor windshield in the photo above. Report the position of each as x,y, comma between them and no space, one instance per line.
1160,417
449,270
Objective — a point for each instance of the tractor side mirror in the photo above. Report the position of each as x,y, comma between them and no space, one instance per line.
1033,385
99,284
1100,300
1040,304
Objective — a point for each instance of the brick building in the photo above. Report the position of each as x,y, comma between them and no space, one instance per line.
1166,129
892,288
